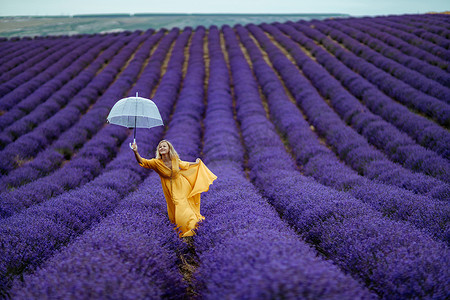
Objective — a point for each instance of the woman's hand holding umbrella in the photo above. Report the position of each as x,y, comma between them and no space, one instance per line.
134,147
136,153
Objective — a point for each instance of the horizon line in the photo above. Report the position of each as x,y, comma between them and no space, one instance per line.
173,14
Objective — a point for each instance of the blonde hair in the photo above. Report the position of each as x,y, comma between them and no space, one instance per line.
172,151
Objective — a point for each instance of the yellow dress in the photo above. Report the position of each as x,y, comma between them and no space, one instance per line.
182,186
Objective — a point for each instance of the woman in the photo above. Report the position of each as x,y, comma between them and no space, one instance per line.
182,183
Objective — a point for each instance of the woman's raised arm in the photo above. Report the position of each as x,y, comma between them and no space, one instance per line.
136,153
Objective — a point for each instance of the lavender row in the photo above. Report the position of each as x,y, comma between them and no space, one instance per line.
29,145
424,131
441,19
96,153
399,31
69,141
53,95
125,241
131,254
23,56
402,87
320,162
185,131
30,79
85,167
168,88
33,236
425,20
398,146
22,59
9,49
79,209
393,258
425,29
438,22
350,146
406,48
375,40
222,140
42,229
10,100
244,250
436,87
416,24
25,74
434,31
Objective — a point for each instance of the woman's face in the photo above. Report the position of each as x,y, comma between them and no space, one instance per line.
163,148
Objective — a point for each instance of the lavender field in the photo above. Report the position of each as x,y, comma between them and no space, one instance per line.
330,140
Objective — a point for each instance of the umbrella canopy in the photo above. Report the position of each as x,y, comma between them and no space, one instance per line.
135,112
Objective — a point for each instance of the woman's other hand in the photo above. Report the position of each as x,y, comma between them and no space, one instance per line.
197,161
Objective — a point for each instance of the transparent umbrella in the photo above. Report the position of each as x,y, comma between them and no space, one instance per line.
135,112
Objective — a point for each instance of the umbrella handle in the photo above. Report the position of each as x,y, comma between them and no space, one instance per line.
134,141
